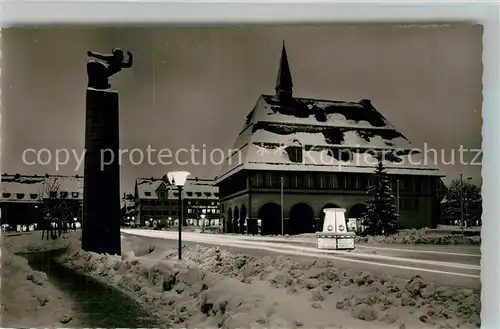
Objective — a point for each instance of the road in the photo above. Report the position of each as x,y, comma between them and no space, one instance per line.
452,265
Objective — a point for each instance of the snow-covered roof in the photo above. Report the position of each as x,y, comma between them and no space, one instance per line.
147,188
34,188
324,130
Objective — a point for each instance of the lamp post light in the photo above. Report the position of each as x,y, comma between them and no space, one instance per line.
202,216
178,179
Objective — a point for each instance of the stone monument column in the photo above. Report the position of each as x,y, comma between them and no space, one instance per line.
101,189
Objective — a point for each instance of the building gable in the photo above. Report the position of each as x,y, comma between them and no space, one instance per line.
335,136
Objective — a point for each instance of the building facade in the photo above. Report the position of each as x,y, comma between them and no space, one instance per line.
128,209
296,156
28,199
156,199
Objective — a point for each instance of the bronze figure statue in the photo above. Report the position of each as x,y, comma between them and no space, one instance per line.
99,72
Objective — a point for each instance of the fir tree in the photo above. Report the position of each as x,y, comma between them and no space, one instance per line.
381,215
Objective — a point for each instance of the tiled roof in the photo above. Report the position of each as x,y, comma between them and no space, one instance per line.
203,188
33,188
323,129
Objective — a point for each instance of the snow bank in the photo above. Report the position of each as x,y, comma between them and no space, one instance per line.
214,288
28,299
422,236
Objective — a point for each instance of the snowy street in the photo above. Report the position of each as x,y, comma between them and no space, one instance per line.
439,264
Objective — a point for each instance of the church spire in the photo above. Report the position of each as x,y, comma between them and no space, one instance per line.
284,84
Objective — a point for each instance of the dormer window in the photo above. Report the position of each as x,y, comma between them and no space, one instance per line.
20,195
75,194
295,153
7,195
189,194
33,196
216,194
147,193
208,194
64,195
53,194
198,194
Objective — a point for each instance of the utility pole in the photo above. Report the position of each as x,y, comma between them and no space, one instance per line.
460,190
282,214
397,195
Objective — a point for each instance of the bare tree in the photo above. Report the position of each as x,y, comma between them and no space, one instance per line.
56,210
471,203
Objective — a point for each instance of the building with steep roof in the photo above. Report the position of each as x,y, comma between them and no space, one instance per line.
157,199
23,198
295,156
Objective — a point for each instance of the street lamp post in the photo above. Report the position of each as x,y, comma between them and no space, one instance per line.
178,178
461,194
282,214
202,216
397,195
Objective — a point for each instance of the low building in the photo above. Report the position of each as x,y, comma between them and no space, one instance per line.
156,199
28,199
296,156
128,209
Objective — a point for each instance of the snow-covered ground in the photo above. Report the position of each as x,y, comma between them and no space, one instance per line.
213,287
29,299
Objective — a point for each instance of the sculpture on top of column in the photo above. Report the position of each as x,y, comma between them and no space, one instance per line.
99,72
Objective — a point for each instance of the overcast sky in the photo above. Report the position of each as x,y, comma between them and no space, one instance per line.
194,86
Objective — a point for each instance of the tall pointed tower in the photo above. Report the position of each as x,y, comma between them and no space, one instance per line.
284,84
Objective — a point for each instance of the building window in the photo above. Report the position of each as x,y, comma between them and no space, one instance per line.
259,179
408,204
355,182
342,182
147,193
294,154
189,194
308,181
20,195
272,180
297,181
319,181
411,184
286,181
332,181
190,210
33,195
6,195
53,194
75,194
64,195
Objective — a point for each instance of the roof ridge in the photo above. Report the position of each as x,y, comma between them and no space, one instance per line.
319,99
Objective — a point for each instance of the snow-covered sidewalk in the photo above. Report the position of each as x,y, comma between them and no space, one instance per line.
28,299
214,288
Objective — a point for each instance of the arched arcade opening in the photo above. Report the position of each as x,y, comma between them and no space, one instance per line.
229,221
354,217
301,219
270,216
236,218
243,216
